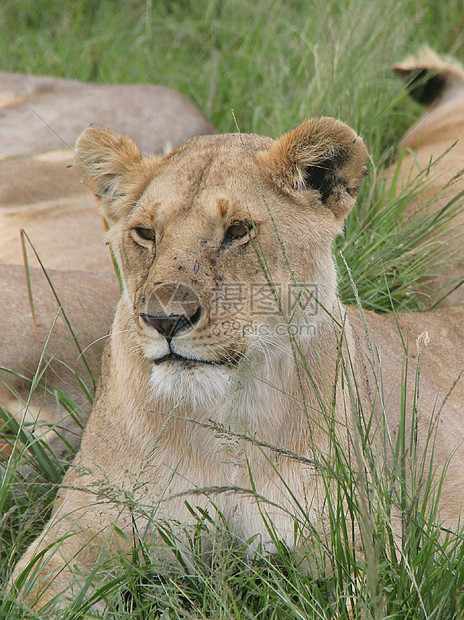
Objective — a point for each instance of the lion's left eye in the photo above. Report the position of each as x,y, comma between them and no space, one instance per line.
145,234
237,231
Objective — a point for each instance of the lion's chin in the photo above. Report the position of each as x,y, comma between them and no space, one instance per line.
193,383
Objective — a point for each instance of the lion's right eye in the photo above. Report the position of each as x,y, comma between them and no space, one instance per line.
143,236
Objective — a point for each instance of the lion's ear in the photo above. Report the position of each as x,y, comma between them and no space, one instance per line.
113,168
427,75
321,154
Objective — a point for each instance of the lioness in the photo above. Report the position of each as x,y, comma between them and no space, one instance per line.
229,319
434,149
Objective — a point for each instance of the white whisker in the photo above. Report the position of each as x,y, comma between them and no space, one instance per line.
100,339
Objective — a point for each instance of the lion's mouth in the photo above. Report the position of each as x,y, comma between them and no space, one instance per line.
175,357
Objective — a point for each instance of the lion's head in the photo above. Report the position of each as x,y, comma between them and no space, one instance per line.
224,244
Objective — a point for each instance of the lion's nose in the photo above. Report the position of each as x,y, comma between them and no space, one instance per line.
173,324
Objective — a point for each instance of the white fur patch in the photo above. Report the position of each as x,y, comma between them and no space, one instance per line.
198,385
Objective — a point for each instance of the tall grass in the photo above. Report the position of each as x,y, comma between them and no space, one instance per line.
273,63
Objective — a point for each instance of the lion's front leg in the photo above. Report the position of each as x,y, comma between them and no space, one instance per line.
63,562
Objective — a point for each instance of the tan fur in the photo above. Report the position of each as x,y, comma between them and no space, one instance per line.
65,228
434,343
60,217
438,137
37,338
41,114
149,439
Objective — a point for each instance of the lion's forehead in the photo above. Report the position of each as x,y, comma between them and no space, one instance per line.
210,176
211,160
219,144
